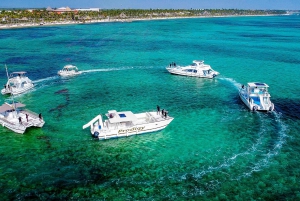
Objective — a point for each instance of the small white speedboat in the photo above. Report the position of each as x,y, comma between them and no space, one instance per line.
69,70
17,83
16,118
196,69
256,96
122,124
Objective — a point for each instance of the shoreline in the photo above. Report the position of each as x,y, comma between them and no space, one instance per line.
59,23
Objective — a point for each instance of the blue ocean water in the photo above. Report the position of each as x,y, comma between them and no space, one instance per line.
215,149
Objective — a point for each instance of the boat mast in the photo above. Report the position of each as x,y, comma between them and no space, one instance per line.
12,96
6,72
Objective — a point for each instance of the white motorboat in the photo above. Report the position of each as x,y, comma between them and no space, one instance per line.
196,69
16,118
122,124
256,96
17,83
69,70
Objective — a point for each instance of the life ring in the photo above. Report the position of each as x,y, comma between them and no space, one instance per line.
96,134
254,108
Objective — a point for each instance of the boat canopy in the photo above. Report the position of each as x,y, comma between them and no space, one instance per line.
119,117
257,84
4,107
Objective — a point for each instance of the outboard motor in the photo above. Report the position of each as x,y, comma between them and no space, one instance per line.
96,134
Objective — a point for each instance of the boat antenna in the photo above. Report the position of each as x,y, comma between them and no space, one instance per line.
6,72
12,95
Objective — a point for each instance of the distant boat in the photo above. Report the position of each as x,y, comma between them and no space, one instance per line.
256,96
196,69
17,83
126,123
16,118
69,70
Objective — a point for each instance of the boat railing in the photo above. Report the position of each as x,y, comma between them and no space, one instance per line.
3,119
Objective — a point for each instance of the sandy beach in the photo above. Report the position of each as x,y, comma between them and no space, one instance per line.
55,23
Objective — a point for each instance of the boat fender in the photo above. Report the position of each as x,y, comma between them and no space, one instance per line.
271,107
96,134
254,108
214,75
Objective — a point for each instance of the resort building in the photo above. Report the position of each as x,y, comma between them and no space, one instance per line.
89,9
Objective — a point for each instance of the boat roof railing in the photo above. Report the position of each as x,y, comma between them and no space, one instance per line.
20,72
69,66
198,61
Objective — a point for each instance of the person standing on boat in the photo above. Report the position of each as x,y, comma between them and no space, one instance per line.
27,117
40,116
162,112
158,109
166,114
20,120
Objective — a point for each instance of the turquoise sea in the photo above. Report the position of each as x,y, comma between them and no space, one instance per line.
214,149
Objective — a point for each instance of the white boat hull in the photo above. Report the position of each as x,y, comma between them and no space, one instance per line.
15,91
66,74
180,71
154,123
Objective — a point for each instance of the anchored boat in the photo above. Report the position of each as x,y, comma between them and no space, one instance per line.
16,118
122,124
69,70
17,83
196,69
256,96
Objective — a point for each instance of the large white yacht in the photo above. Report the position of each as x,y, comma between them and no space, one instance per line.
17,83
122,124
256,96
196,69
69,70
16,118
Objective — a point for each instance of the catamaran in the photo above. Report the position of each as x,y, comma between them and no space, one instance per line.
16,118
256,96
17,83
196,69
126,123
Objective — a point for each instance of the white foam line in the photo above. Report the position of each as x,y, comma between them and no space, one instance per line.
232,81
45,79
103,70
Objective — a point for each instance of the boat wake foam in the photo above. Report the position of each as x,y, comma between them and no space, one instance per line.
46,79
232,81
104,70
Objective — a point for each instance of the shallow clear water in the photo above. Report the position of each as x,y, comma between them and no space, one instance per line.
214,149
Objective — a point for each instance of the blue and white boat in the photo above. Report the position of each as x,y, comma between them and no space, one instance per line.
126,123
256,96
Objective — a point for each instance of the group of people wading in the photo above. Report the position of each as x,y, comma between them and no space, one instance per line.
164,112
